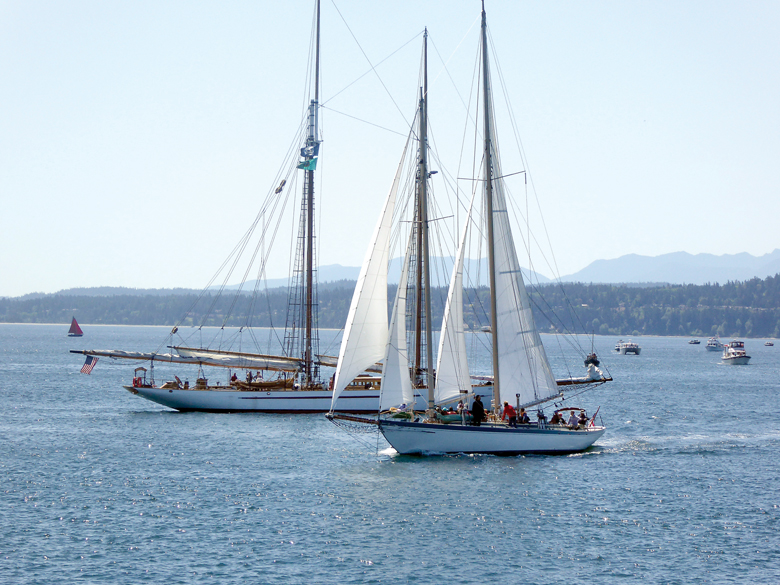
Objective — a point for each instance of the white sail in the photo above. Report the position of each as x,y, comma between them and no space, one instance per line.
396,386
365,333
524,370
452,369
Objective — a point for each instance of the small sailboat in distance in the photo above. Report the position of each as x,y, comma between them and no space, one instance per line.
75,330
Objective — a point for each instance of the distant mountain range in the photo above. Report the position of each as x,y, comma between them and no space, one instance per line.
631,269
674,268
679,268
441,267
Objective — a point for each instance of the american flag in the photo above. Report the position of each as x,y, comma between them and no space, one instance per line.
89,364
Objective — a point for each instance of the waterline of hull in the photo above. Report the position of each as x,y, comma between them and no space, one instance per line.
359,401
421,438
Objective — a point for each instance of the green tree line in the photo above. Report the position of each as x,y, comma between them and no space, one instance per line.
734,309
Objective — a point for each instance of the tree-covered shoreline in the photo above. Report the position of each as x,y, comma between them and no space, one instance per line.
735,309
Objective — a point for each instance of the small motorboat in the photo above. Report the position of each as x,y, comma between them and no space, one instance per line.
592,359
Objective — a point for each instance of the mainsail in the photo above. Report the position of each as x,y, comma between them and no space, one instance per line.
524,370
521,369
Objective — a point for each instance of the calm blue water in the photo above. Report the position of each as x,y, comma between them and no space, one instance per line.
99,486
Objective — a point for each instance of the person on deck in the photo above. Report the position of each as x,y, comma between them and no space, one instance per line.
523,418
556,419
248,377
573,421
511,414
233,378
583,421
477,411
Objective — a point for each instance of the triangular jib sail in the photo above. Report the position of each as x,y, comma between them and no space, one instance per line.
365,333
452,369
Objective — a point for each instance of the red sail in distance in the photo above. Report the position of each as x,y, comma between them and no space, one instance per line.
75,330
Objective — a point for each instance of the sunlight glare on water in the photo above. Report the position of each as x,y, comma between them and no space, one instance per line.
100,486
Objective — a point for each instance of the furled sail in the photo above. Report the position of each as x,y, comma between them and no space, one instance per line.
396,385
365,333
251,360
452,369
216,360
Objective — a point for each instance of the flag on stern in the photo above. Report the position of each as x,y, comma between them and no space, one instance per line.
593,420
89,364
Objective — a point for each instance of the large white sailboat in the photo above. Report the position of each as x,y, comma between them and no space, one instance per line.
521,373
290,381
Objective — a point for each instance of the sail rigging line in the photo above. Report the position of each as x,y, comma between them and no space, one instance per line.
261,268
272,200
362,120
554,265
532,237
373,67
237,252
243,246
446,70
574,315
342,90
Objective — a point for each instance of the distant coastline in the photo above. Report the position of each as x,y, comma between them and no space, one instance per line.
749,309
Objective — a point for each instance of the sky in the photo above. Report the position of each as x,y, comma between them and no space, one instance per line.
138,139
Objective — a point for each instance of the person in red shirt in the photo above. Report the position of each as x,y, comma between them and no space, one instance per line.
510,413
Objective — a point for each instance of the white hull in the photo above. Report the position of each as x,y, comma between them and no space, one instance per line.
737,361
361,400
352,400
419,438
626,351
714,348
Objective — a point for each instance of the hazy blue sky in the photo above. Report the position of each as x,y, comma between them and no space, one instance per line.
137,139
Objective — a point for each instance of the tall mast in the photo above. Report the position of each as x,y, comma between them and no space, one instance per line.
489,210
422,215
311,151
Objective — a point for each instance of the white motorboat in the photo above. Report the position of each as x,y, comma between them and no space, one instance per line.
734,353
627,347
714,344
